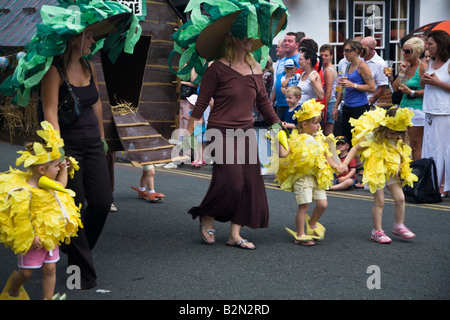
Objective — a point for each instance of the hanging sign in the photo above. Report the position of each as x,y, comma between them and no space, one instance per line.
138,7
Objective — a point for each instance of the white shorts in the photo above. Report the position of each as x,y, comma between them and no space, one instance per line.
306,190
148,167
419,117
392,180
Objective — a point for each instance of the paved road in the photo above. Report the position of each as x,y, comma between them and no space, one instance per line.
153,250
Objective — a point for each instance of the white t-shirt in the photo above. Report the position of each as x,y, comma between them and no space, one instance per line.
436,100
376,66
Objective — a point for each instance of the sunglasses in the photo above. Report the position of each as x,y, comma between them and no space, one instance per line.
407,51
348,50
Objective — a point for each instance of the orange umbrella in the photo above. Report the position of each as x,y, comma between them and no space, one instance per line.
424,30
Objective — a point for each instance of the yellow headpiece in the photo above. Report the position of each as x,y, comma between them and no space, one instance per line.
401,121
41,156
310,108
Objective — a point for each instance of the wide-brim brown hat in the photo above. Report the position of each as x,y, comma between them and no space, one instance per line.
109,25
204,37
210,43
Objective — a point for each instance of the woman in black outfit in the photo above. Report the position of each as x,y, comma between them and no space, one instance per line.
83,141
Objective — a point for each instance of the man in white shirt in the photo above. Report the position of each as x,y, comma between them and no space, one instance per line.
376,65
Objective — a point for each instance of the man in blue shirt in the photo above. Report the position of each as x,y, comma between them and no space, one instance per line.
290,46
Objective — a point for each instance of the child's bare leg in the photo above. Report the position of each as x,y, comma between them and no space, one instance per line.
18,280
300,218
377,210
148,179
399,211
399,201
321,206
48,280
343,185
198,153
143,180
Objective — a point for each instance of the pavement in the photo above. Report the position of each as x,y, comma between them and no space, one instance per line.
153,251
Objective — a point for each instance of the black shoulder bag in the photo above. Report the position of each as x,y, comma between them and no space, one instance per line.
69,110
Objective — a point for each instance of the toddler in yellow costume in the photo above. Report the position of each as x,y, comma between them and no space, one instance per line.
36,212
380,137
305,168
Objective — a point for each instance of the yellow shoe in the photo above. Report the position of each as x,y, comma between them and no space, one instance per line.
57,296
319,230
23,295
302,238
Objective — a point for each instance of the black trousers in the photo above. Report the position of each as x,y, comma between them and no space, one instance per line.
351,112
92,186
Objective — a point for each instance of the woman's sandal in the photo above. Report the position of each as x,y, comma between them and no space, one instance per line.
240,245
209,231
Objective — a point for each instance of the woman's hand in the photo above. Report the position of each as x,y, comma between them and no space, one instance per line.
404,89
431,79
345,83
403,67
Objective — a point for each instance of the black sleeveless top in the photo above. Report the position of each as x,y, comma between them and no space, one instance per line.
87,125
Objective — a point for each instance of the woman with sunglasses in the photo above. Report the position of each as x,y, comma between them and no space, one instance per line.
410,72
357,81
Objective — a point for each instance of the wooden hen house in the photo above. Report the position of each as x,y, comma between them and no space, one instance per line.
142,79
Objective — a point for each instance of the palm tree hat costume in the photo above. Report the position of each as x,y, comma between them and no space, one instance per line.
114,28
202,38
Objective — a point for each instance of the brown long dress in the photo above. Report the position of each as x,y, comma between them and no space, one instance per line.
236,192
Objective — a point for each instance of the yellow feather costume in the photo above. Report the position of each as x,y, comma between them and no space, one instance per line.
27,211
307,153
387,158
306,157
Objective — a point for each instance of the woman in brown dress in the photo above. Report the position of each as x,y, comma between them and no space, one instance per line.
237,192
230,30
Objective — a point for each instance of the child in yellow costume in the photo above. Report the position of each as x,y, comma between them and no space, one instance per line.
305,168
37,213
380,137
